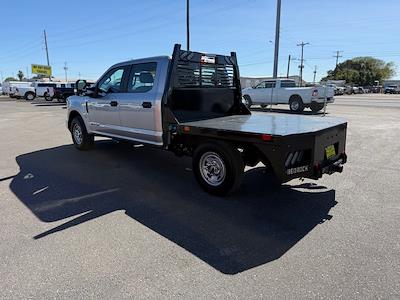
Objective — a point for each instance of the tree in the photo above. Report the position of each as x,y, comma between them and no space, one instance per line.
362,71
20,75
10,79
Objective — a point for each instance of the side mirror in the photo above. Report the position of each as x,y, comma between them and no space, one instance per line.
80,86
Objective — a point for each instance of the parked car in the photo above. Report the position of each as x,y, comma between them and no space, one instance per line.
9,87
284,91
338,90
392,89
45,90
26,92
191,105
63,91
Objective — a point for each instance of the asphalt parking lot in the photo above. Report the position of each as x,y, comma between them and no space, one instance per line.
131,222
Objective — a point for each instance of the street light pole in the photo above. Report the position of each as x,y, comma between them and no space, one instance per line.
277,33
65,70
187,25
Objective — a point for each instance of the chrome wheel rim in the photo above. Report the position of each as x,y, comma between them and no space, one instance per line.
295,105
212,168
77,133
30,97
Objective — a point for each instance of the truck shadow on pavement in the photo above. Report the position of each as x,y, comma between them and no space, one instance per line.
256,226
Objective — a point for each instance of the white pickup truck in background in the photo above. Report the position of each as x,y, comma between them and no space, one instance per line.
284,91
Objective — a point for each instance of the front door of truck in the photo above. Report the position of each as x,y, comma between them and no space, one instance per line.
104,108
139,113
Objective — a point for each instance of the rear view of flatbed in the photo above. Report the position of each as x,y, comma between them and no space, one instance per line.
291,145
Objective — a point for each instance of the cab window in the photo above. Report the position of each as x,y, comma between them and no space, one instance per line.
261,85
288,84
112,82
142,77
269,84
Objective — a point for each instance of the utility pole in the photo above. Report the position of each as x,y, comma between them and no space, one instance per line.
302,44
65,70
47,48
337,57
187,26
277,33
315,74
27,73
288,66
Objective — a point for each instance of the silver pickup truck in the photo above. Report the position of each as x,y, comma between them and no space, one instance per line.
191,104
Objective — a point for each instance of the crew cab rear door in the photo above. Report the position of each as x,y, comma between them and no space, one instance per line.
140,107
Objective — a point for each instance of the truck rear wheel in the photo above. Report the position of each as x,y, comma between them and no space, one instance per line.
316,106
248,101
29,96
82,140
218,167
47,97
296,104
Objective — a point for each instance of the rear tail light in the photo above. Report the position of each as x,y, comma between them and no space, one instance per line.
315,93
266,137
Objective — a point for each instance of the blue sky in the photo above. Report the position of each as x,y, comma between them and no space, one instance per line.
92,35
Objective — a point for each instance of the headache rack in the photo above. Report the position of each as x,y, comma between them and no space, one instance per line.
200,86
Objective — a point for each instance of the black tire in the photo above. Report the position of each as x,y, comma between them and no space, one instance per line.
296,104
223,156
30,96
315,107
47,97
86,141
248,102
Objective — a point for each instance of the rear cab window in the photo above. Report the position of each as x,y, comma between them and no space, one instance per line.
142,76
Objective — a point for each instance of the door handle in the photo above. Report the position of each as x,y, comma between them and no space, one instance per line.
146,104
114,103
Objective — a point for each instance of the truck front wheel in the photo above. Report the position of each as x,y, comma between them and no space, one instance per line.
218,167
82,140
296,104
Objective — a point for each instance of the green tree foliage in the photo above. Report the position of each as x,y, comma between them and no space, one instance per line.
20,75
10,79
362,71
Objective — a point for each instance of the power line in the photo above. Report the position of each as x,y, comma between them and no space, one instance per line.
302,44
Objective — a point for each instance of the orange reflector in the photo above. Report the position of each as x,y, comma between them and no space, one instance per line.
186,129
266,137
